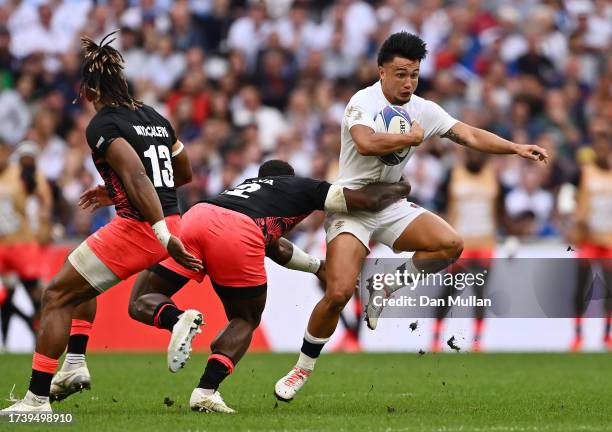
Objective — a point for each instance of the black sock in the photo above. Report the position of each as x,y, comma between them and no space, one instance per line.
168,315
312,350
77,344
214,373
40,383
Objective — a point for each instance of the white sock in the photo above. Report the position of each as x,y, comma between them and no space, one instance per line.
304,361
207,392
73,361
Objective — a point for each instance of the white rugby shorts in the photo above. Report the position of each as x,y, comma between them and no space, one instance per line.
384,226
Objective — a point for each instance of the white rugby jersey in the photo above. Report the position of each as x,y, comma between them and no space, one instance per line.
357,170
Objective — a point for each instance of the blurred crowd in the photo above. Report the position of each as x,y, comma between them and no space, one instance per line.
244,81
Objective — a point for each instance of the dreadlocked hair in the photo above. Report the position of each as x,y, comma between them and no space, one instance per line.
101,72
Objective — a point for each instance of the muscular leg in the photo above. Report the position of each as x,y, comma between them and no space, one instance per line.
345,255
150,301
436,245
351,321
86,311
435,242
74,375
344,258
244,316
67,290
150,291
230,345
82,321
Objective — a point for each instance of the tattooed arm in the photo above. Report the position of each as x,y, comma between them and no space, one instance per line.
484,141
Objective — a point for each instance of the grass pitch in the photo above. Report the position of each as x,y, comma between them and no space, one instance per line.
351,392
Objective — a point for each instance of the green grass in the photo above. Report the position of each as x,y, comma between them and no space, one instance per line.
435,392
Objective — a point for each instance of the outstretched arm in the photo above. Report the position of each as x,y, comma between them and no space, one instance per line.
487,142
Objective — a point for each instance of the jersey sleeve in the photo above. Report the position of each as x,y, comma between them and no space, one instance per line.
100,134
357,113
436,121
316,191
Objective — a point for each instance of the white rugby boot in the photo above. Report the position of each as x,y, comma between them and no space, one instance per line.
68,382
204,401
183,332
31,403
287,387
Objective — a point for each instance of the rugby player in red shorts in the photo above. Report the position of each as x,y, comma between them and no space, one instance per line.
132,148
232,233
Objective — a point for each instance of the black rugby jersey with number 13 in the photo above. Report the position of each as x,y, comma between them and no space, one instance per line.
152,137
276,203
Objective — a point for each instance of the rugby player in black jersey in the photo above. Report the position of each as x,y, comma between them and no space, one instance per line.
232,233
137,154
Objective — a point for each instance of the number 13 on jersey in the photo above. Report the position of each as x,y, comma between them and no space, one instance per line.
161,176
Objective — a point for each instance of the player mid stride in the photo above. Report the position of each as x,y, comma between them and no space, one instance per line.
232,233
132,147
367,156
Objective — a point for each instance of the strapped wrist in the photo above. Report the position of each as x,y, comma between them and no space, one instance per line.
161,232
301,261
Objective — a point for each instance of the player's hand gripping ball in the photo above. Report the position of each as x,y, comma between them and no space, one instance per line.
393,119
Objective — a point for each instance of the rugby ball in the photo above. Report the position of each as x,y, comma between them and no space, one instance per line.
395,120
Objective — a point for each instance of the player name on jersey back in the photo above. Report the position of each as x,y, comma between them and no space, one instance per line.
151,131
152,137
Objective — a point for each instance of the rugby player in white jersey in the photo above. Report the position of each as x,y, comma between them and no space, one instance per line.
367,156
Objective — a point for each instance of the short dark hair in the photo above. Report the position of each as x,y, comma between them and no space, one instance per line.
402,44
275,167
